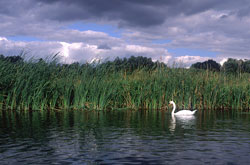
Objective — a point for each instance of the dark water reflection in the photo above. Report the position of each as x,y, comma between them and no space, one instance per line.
151,137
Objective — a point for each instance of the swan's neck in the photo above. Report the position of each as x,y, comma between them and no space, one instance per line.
173,108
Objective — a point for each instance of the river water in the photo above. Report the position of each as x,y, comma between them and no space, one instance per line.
123,137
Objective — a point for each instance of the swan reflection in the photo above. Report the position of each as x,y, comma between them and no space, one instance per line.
185,122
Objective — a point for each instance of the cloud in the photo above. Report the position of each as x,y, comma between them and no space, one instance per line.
135,12
103,46
125,13
33,49
189,60
211,25
223,61
79,51
82,52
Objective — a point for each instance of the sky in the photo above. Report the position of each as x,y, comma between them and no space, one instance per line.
170,31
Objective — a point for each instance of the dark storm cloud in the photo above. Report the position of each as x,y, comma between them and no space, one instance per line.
12,8
142,13
125,12
138,13
213,25
128,13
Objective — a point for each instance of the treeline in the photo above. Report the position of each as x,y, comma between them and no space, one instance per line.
134,63
12,59
126,64
230,66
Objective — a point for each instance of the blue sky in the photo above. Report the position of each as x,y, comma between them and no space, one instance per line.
161,41
23,38
190,31
192,52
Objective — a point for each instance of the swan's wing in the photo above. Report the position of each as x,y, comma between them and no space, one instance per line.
185,112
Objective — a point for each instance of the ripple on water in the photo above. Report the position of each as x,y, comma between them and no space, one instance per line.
123,137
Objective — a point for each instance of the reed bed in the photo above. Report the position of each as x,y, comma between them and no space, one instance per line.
50,85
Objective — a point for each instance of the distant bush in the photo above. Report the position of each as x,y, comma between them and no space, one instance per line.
246,66
210,65
236,66
231,66
131,64
12,59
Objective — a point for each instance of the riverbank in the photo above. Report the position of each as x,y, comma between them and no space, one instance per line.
48,85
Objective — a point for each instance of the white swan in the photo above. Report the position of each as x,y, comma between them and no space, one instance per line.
182,112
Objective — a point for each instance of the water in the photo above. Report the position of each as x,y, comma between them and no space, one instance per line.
123,137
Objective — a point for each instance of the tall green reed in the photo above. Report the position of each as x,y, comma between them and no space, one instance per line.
49,85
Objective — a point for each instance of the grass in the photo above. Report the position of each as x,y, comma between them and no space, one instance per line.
49,85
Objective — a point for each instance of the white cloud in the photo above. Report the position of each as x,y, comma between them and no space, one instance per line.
193,59
80,51
3,39
138,49
35,49
188,60
223,61
86,52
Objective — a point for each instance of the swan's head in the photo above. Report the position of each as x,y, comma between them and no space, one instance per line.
171,102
